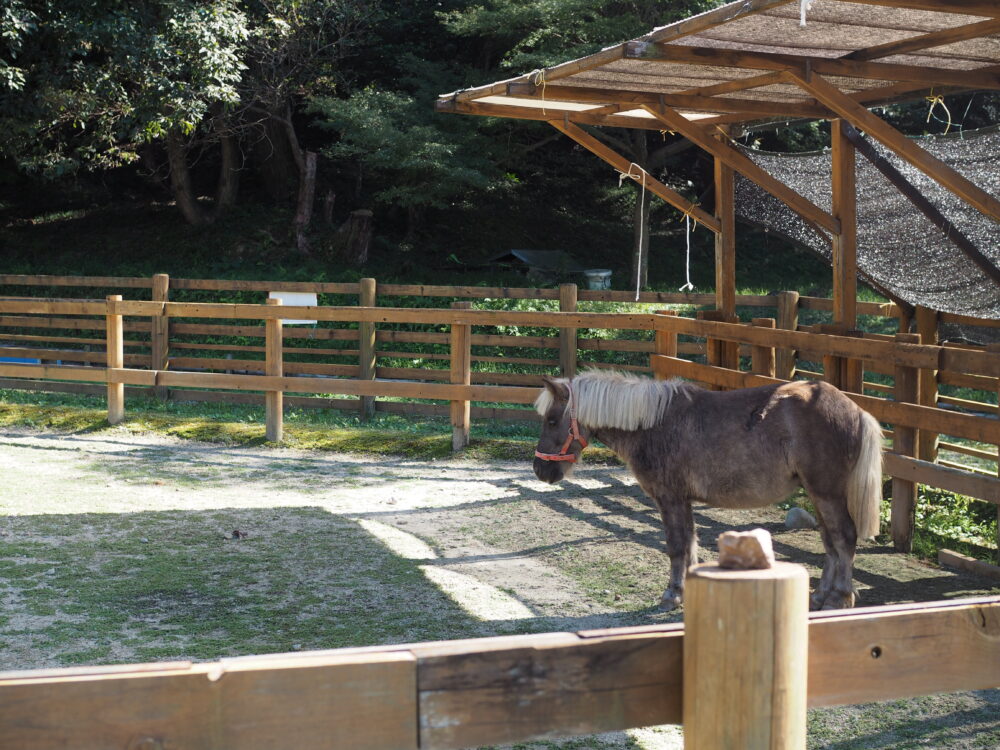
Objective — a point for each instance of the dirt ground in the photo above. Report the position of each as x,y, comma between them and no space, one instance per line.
487,548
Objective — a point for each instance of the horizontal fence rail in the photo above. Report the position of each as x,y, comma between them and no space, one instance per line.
460,694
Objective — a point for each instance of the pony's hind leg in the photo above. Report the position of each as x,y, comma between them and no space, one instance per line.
836,589
682,546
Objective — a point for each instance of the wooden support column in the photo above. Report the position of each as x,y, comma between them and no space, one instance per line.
725,241
366,345
927,327
273,366
788,320
666,341
852,373
714,348
904,442
845,250
762,359
115,346
995,349
159,343
461,374
745,655
567,336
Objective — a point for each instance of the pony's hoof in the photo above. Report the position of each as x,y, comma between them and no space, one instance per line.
670,600
817,601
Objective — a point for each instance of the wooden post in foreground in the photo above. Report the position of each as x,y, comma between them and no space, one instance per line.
159,339
273,400
762,358
995,349
567,336
461,374
788,319
745,658
904,442
366,345
115,346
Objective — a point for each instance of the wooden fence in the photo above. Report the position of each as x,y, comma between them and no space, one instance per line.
462,694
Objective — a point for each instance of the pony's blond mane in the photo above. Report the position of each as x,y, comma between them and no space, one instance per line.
605,398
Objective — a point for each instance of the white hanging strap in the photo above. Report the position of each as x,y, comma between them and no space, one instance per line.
688,287
804,5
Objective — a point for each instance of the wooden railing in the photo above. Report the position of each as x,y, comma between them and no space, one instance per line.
462,694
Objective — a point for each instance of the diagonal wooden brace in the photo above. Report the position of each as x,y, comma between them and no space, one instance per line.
828,94
733,158
623,165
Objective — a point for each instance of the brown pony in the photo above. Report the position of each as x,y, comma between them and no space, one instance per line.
729,449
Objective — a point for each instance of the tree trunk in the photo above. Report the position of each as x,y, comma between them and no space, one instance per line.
180,181
229,174
328,202
274,157
307,194
640,213
354,237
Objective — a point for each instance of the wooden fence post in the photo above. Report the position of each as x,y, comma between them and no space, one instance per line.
927,327
567,336
666,341
115,347
904,442
159,339
852,373
745,658
461,374
366,345
273,400
833,366
788,319
995,349
762,358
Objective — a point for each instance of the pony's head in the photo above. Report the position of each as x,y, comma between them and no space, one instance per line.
562,438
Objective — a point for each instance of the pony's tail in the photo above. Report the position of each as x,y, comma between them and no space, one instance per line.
864,485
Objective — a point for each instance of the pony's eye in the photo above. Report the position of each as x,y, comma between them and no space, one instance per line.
553,422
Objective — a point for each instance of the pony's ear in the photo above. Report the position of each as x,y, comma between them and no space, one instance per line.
557,387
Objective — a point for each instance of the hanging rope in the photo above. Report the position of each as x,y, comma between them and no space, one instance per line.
538,79
804,5
688,287
936,100
642,221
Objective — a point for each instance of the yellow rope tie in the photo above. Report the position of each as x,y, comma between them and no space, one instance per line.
936,100
539,80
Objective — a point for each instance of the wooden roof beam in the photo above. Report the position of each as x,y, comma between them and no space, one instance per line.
731,87
732,58
625,166
888,136
721,105
742,164
926,41
587,117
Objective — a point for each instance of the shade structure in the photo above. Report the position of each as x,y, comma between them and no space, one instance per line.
765,60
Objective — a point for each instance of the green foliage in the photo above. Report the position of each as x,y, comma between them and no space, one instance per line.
97,83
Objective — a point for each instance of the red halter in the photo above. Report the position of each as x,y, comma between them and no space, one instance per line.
574,434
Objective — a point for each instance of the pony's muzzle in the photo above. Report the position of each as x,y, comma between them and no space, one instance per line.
548,471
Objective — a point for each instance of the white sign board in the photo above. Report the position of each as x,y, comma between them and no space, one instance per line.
296,299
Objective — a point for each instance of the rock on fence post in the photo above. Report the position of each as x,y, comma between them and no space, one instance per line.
274,367
745,657
115,347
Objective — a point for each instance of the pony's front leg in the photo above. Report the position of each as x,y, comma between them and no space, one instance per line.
682,545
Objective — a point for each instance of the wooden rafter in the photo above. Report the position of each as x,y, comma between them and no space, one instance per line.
733,158
626,167
585,94
926,41
738,58
586,117
729,87
861,118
